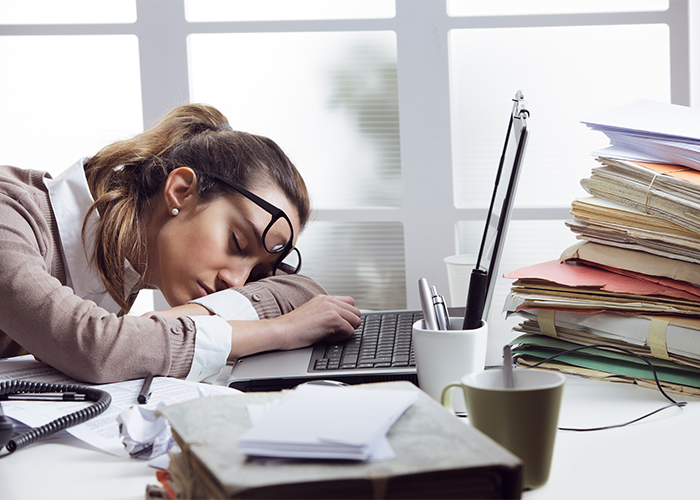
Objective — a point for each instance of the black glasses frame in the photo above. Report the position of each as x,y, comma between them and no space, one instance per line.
276,214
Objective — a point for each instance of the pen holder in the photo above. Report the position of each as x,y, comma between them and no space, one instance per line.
443,356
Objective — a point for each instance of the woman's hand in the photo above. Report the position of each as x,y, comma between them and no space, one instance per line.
327,317
323,317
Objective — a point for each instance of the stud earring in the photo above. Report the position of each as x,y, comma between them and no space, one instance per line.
174,211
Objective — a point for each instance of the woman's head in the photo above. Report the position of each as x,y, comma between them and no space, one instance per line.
128,180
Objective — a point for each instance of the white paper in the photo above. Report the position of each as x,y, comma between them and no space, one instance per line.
627,154
326,422
102,432
649,119
383,450
144,434
651,131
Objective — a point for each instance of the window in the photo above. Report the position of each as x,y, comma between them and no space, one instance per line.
78,94
67,11
274,10
394,111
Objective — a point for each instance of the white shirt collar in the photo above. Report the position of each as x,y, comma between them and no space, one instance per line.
71,199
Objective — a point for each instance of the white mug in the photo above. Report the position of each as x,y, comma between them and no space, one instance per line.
443,356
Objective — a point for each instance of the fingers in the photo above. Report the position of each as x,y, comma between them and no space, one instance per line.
349,315
324,317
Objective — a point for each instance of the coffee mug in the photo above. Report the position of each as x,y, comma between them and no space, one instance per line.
446,355
524,419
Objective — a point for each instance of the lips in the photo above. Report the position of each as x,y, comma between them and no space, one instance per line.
203,289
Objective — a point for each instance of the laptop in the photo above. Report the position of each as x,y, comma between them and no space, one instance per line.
381,349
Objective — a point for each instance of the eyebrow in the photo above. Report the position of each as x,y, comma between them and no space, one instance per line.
256,233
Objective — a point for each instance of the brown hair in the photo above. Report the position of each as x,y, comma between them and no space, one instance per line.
126,176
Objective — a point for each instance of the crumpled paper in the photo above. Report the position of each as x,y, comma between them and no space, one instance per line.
144,434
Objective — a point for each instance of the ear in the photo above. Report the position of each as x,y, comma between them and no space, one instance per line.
180,189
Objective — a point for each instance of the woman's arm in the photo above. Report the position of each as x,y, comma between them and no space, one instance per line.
47,319
322,317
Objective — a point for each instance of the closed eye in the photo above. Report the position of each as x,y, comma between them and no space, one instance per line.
235,242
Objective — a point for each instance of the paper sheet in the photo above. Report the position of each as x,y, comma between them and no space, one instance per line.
649,119
326,422
102,431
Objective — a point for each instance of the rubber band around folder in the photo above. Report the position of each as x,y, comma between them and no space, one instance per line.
545,318
657,338
646,203
380,481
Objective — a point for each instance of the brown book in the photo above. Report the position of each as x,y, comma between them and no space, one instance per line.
438,455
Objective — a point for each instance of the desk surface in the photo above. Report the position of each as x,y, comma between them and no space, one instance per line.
654,458
651,459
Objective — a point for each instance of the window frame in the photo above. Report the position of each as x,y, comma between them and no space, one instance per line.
422,28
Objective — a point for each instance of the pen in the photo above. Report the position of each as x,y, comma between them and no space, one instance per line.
476,298
44,396
441,315
427,305
145,390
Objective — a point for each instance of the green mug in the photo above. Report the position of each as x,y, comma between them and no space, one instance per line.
523,419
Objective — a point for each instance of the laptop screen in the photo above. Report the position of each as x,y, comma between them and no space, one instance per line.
483,279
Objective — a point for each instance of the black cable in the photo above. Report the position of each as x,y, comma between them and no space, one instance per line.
674,403
102,400
615,426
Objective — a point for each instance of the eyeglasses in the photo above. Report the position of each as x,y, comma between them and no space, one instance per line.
278,236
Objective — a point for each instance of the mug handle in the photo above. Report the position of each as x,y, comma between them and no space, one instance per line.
446,398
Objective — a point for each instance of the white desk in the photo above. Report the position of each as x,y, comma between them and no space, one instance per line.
655,458
66,469
652,459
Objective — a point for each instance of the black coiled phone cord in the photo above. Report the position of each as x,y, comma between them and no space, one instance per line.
102,400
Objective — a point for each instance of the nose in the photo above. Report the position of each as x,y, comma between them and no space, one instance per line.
232,277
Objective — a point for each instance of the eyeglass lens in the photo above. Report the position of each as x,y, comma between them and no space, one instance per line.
278,235
290,263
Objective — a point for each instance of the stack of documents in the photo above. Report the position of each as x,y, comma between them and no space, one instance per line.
669,192
634,281
651,131
600,221
325,422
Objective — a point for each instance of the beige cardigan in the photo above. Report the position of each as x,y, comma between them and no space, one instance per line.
42,316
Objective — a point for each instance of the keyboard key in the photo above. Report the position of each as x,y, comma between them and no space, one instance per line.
351,359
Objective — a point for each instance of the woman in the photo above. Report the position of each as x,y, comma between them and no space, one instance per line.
207,215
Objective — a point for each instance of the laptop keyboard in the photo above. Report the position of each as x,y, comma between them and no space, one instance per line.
383,340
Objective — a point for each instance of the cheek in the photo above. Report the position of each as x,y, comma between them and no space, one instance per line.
194,248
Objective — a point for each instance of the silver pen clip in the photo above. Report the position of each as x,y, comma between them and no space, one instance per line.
443,319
